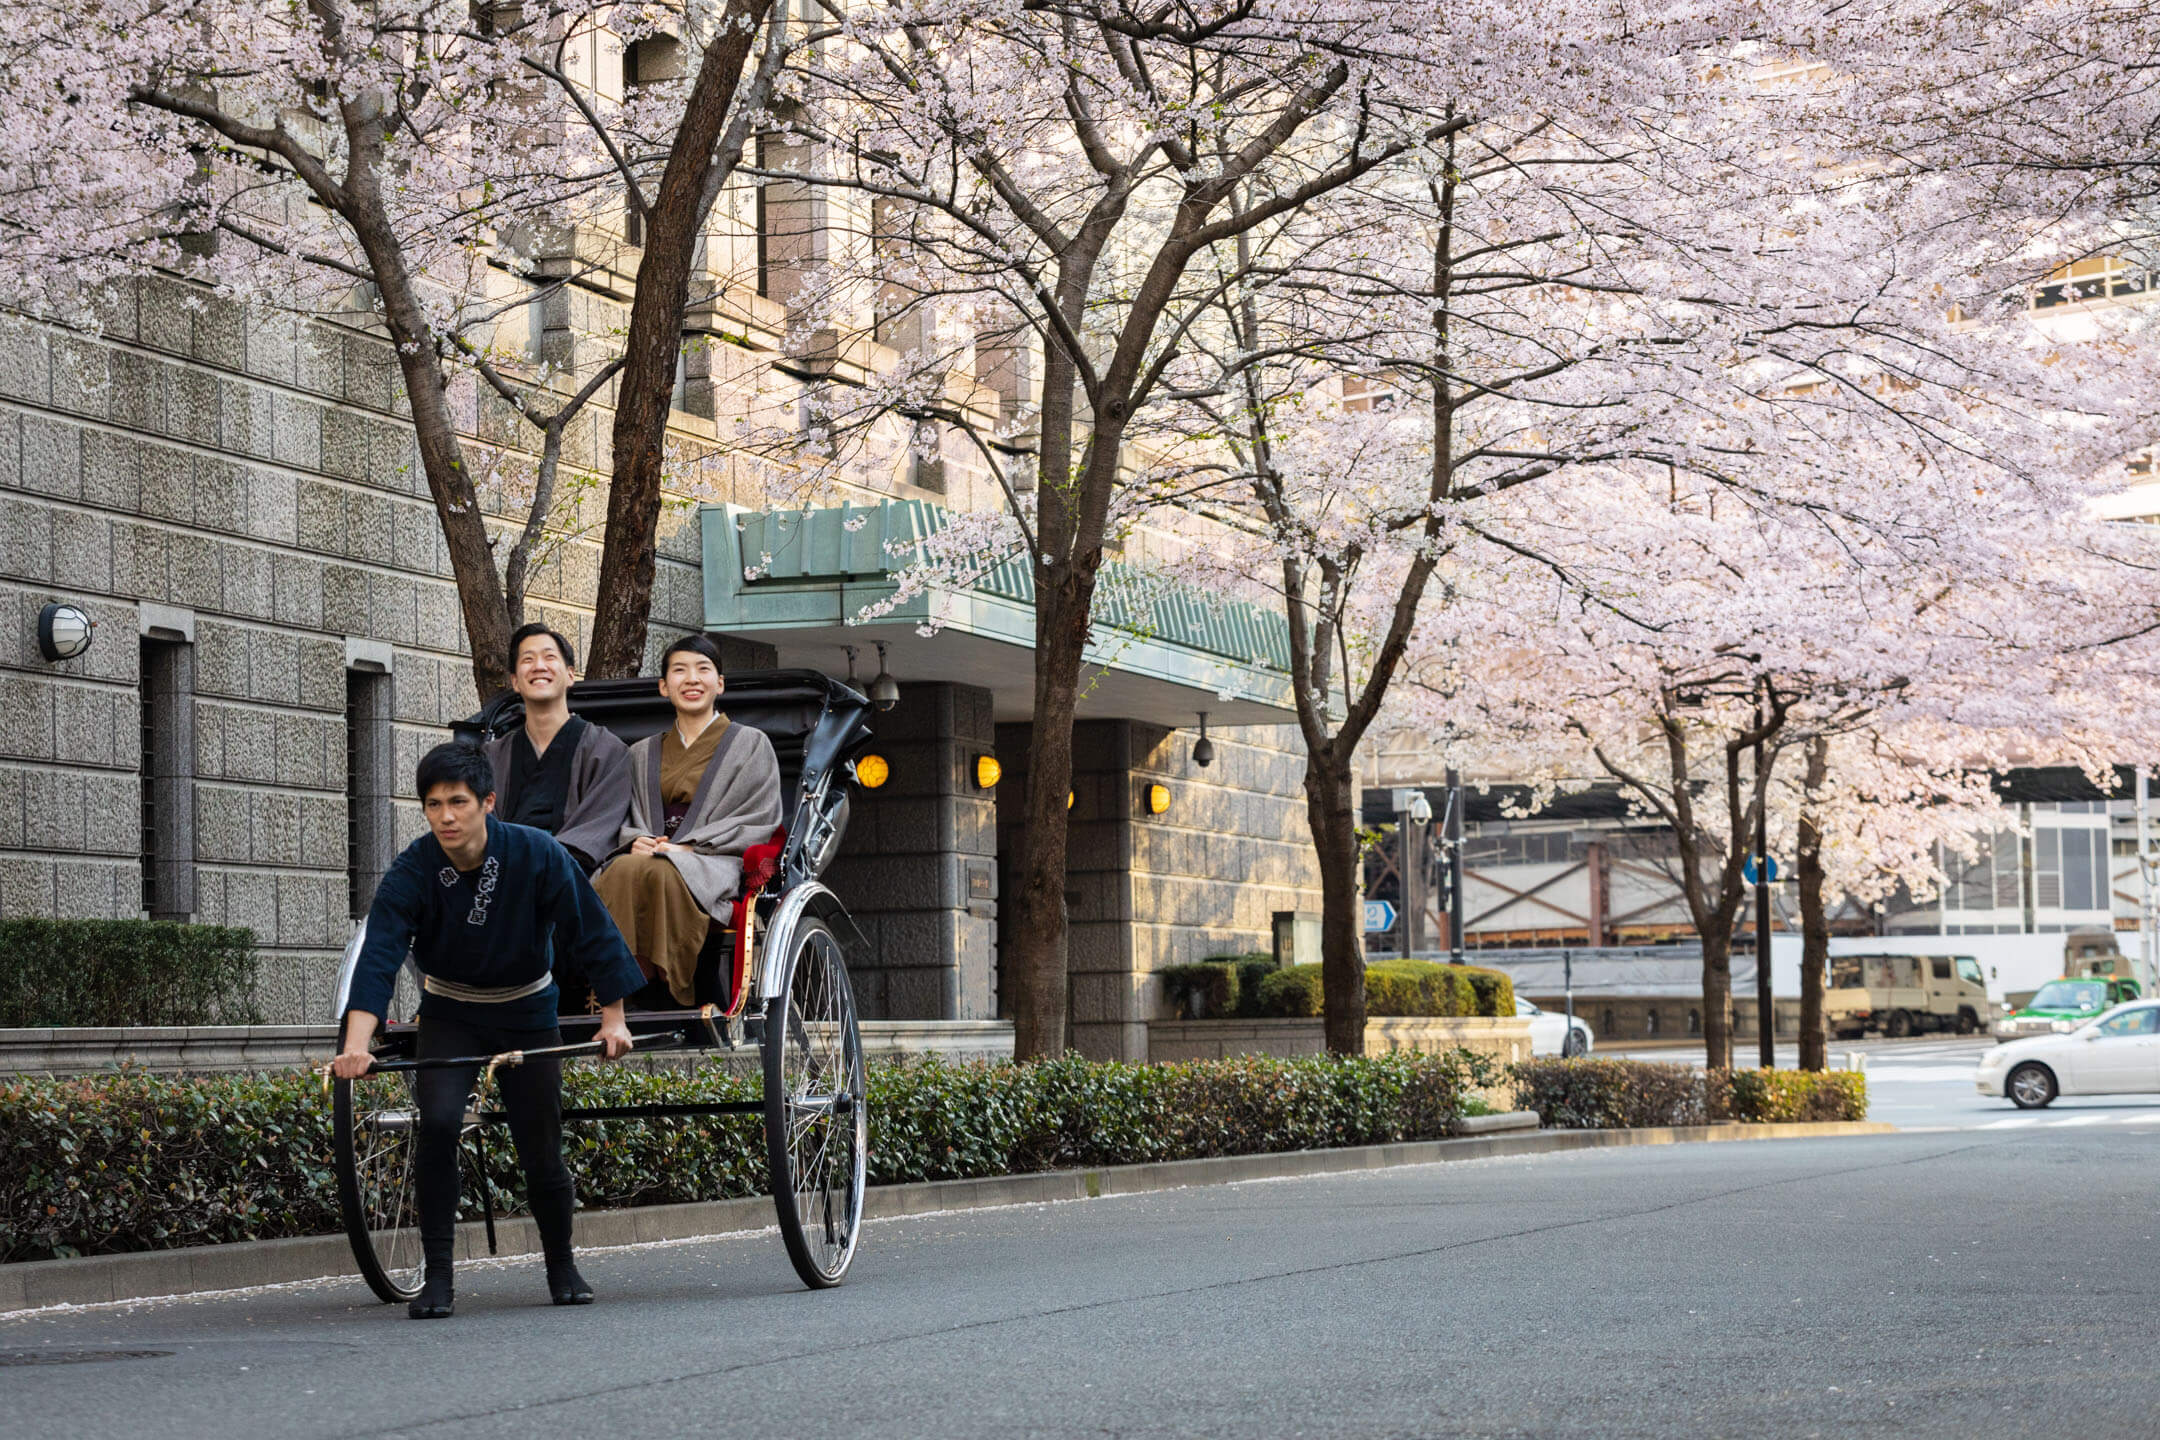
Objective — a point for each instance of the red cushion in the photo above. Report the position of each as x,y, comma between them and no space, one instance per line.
759,864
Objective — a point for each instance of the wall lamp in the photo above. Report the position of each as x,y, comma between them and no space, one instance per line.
63,631
1157,799
987,771
871,771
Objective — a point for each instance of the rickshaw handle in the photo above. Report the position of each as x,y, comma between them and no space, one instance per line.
645,1045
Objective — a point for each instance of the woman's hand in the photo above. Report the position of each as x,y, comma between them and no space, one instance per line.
647,845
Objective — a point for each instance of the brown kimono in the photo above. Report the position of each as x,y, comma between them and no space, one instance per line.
715,799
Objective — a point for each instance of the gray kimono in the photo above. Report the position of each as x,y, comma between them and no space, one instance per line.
736,805
598,795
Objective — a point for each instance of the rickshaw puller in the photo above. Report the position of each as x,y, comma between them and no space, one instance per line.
484,908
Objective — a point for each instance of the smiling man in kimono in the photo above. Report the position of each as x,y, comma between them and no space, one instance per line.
559,772
702,791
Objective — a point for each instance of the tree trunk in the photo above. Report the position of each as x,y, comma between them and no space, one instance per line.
1335,843
1035,945
1717,1013
1814,916
442,461
644,393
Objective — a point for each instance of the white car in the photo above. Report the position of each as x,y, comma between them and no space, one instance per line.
2117,1053
1549,1033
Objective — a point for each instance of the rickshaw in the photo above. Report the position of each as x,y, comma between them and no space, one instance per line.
772,983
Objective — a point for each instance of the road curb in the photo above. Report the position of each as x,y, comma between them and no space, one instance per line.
104,1279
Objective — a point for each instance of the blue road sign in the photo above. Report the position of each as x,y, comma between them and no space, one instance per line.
1747,870
1379,915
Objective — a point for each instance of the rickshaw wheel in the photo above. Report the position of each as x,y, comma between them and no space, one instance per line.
816,1115
376,1125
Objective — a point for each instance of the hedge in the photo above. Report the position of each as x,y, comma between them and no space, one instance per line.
125,972
1789,1096
134,1161
1628,1094
1251,987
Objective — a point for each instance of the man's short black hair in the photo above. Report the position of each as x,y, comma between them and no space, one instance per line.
697,644
519,636
455,763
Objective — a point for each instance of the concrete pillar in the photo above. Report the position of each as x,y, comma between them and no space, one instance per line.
918,869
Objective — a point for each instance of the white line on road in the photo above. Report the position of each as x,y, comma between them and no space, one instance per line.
2014,1120
2082,1120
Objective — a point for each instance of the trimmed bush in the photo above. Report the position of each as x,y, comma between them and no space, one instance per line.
1788,1096
1395,988
1616,1094
1626,1094
133,1161
1220,987
125,972
1207,991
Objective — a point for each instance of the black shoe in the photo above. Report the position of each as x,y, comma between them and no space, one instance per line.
435,1300
566,1286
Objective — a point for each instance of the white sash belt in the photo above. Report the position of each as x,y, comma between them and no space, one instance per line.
484,994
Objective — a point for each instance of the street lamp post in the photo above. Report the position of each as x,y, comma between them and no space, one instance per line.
1453,830
1765,1004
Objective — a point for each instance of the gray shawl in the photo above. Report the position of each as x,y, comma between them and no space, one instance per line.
599,795
736,805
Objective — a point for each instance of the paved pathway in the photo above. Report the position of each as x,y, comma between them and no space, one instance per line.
1988,1283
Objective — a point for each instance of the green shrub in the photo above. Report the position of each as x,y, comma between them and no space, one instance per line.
1615,1094
134,1161
1627,1094
1394,988
1220,987
125,972
1292,993
1207,991
1788,1096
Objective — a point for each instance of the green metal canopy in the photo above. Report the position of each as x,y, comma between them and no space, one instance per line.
799,580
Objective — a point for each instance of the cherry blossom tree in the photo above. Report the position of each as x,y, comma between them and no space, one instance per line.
1077,170
417,165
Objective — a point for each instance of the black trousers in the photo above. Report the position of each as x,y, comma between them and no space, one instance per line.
531,1095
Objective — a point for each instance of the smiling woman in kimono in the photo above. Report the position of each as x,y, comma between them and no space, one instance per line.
702,791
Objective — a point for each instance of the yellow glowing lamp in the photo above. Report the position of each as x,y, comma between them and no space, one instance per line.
1158,799
1068,799
871,771
987,771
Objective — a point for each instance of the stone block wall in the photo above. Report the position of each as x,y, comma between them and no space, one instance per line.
1144,891
918,869
245,489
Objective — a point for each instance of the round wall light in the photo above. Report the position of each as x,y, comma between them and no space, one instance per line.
987,771
871,771
1158,799
1068,799
63,631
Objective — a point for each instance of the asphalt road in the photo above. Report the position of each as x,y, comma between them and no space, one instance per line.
1995,1284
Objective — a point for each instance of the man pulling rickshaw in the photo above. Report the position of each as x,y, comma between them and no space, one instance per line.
486,908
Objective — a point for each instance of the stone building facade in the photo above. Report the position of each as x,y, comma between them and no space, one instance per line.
237,502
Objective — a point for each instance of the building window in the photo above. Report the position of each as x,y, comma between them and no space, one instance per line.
1694,1022
368,786
167,691
1650,1021
1608,1027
